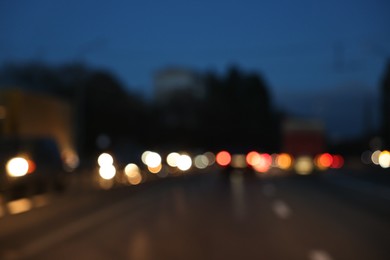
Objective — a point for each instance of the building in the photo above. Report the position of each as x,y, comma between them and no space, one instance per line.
177,81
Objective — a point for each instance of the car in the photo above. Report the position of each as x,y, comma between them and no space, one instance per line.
30,166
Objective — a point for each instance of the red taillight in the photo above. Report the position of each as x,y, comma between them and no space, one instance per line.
31,166
223,158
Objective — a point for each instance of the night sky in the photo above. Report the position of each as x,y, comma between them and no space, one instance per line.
319,58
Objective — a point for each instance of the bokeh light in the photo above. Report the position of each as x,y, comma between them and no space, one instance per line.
304,165
107,172
201,161
223,158
184,162
375,157
153,160
324,161
172,159
155,169
384,159
105,159
253,158
338,162
133,174
284,161
210,157
264,163
17,167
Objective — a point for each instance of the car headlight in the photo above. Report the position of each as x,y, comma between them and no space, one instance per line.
17,167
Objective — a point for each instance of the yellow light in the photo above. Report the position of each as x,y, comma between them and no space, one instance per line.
19,206
172,159
304,165
384,159
284,161
131,170
184,162
17,167
107,172
375,157
133,174
156,169
105,159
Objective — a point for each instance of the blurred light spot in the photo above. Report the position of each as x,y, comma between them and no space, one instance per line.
210,157
31,166
153,159
132,170
17,167
71,160
303,165
144,155
172,159
201,161
384,159
375,157
105,159
156,169
239,161
324,161
366,157
19,206
284,161
338,162
107,172
223,158
264,164
184,162
253,158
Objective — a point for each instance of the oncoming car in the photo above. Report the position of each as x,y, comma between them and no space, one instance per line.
30,166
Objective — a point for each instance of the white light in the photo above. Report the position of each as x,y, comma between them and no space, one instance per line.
153,159
172,159
384,159
105,159
17,167
201,161
132,170
184,162
144,155
107,172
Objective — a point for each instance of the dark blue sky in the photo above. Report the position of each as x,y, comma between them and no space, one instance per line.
302,48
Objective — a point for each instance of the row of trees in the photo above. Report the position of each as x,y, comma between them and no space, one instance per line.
235,113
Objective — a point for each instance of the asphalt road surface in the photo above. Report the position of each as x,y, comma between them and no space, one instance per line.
208,216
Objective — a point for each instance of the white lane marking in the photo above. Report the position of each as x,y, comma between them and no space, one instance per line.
281,209
269,190
238,195
65,232
319,255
